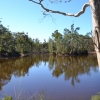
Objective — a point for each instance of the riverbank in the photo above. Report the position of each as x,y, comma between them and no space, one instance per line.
13,55
17,55
92,53
94,97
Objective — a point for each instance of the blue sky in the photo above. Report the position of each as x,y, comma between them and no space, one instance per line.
23,15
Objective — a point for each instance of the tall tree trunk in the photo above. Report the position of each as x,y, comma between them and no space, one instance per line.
95,9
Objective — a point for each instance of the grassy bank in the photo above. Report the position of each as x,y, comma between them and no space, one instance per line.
41,96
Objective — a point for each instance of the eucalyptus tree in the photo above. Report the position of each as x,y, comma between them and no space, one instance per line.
6,38
95,11
29,45
51,45
58,45
37,44
20,42
71,42
23,43
26,43
2,29
7,42
57,37
44,46
74,43
89,42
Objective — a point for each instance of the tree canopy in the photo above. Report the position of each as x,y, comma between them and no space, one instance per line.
68,42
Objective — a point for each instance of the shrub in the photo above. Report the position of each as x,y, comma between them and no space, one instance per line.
96,97
7,98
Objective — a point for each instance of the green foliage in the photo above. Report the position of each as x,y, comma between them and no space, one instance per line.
51,45
69,43
14,43
7,98
96,97
56,35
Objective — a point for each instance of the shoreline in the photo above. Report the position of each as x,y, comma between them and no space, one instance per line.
59,55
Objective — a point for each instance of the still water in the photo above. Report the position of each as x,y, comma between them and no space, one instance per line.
56,78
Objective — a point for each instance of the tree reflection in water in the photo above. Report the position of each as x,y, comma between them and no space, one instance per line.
18,67
71,67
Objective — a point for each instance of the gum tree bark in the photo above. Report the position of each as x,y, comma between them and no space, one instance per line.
95,9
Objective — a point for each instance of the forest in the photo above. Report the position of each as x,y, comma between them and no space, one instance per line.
70,42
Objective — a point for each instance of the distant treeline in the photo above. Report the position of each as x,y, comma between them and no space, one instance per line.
70,42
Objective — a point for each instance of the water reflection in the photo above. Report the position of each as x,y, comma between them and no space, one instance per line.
71,67
17,67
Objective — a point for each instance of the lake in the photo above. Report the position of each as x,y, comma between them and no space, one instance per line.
55,78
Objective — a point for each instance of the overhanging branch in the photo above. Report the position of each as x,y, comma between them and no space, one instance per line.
62,13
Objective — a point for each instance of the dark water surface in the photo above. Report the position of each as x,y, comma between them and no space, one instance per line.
58,78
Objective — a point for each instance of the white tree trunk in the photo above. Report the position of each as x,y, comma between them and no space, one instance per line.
95,9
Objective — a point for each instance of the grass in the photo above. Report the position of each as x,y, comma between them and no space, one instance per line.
40,95
96,97
7,98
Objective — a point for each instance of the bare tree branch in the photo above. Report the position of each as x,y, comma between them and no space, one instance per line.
45,15
62,13
34,1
